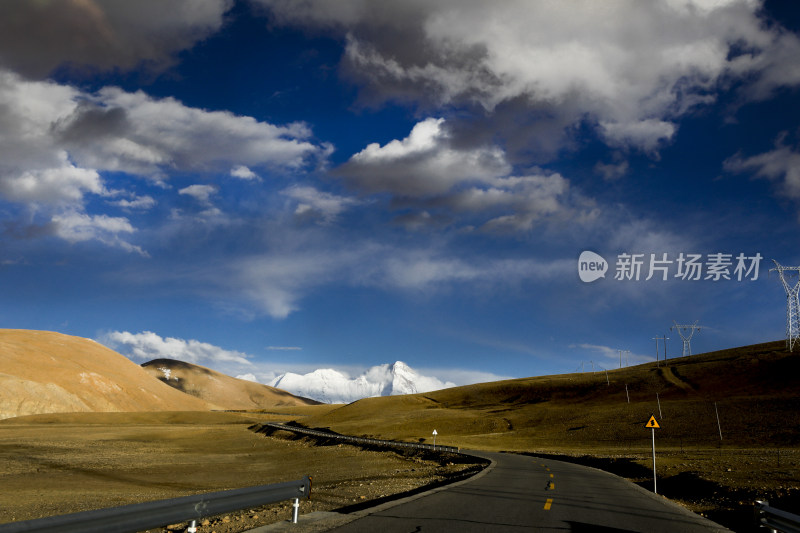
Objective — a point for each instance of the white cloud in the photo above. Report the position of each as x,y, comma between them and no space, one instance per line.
781,165
633,67
147,345
137,202
135,133
201,193
318,204
242,172
612,355
275,281
57,141
646,135
74,226
460,376
422,164
65,184
425,171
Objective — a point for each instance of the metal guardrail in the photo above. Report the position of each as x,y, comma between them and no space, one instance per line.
141,516
361,440
775,519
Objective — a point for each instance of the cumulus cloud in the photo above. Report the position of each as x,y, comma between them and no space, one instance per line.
313,203
149,136
632,68
135,202
428,173
781,165
147,345
647,135
64,184
79,227
242,172
37,37
422,164
134,133
201,193
56,143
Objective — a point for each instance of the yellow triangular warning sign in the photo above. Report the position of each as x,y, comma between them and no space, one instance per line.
652,422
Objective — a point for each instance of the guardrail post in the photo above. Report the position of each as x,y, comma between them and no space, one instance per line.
295,510
192,527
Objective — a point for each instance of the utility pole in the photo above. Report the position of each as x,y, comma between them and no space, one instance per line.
656,339
665,339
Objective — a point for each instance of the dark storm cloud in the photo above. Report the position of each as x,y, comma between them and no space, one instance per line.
37,37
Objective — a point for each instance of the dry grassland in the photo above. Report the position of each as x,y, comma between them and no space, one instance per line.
52,464
57,464
716,468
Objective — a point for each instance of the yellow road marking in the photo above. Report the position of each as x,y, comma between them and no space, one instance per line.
551,475
548,503
552,486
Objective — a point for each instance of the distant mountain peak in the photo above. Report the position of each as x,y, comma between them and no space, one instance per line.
331,386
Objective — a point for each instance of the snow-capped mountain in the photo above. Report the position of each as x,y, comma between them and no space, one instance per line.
332,386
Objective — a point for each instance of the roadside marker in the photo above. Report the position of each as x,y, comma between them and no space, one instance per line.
548,503
652,424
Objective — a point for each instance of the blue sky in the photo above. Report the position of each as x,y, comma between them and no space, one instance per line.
264,186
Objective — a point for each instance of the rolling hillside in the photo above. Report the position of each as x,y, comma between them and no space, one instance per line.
46,372
219,389
755,390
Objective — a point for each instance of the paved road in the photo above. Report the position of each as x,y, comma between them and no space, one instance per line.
521,493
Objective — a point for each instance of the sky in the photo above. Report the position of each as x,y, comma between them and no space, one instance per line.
262,186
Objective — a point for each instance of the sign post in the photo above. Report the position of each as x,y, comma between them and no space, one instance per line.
652,424
434,439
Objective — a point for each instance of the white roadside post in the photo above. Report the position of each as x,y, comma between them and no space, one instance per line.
652,424
434,439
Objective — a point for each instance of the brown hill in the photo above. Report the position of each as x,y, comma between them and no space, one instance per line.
46,372
755,390
219,389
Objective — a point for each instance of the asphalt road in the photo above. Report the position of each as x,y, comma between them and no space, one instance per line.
522,493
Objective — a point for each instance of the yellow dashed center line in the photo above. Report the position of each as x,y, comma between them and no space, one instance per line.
552,486
548,503
551,475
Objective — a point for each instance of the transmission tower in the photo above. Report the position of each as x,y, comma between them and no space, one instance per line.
792,302
687,339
